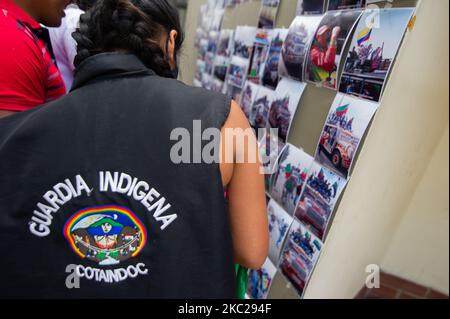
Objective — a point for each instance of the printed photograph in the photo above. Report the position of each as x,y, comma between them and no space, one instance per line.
279,223
270,148
270,72
295,48
221,64
268,14
209,62
237,72
203,48
225,43
374,47
217,85
248,97
322,190
244,38
259,281
300,255
345,127
310,7
284,106
200,70
327,45
290,177
259,113
260,50
233,92
345,4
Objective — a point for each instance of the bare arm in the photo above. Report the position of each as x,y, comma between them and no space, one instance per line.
247,203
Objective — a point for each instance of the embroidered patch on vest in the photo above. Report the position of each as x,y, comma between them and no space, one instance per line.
106,235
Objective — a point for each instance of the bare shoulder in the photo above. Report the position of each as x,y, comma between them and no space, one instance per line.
236,117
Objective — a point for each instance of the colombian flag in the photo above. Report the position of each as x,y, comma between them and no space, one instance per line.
364,34
342,110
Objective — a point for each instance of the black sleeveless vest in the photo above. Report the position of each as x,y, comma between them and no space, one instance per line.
91,204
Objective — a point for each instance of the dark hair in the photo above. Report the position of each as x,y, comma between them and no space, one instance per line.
84,5
135,26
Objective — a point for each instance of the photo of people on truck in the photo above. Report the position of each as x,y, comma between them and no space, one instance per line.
284,107
345,126
295,48
270,73
316,205
300,255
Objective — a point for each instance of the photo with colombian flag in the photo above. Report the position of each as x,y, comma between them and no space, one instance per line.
374,47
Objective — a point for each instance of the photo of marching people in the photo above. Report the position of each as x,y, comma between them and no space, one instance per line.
244,38
258,59
268,14
328,43
289,179
279,223
345,126
260,280
345,4
316,205
270,72
372,52
300,255
237,72
295,48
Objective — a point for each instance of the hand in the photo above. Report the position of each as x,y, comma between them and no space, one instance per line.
335,33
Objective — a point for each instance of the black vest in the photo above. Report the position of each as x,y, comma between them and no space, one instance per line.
89,194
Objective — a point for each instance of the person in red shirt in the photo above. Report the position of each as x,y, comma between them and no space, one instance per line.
28,75
323,55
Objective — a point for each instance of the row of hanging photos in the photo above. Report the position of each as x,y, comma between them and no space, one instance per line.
249,63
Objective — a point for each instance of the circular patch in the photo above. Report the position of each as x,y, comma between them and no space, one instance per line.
106,235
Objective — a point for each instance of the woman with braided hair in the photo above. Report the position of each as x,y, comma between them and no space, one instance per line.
118,147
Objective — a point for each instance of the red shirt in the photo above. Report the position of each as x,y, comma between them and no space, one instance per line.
28,76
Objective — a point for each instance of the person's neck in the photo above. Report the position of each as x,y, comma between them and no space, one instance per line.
25,5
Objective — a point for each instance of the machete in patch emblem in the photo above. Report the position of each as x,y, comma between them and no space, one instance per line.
106,235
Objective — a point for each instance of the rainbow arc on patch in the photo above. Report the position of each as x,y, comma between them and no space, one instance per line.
85,213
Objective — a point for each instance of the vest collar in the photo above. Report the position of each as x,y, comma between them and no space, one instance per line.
110,64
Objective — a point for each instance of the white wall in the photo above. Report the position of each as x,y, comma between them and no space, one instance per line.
419,250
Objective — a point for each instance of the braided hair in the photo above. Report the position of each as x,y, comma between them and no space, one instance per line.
134,26
84,4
